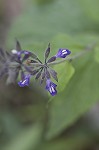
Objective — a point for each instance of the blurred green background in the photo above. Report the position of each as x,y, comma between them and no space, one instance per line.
29,118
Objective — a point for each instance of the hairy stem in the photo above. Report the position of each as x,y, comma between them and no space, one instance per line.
87,49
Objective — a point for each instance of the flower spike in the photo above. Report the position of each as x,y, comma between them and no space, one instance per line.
28,65
42,71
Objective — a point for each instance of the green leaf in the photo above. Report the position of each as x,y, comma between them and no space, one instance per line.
77,138
96,55
41,23
27,139
81,94
65,71
90,5
66,41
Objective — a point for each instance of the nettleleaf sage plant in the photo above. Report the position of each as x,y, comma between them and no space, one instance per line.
28,65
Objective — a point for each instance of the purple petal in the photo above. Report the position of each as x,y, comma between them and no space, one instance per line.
24,82
51,87
62,53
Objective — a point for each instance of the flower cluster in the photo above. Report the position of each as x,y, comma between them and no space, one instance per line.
28,65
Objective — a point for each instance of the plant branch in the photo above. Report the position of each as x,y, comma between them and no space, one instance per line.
87,49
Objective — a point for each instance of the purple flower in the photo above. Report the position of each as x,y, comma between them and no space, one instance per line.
51,87
62,53
25,81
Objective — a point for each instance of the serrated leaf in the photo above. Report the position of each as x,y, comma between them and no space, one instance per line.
64,73
81,94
